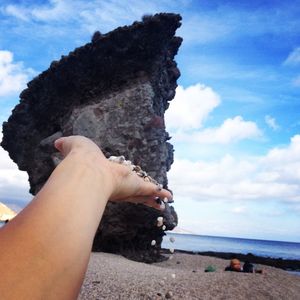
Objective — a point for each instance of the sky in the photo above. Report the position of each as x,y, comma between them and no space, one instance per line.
234,121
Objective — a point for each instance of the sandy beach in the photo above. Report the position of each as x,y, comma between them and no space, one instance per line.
111,276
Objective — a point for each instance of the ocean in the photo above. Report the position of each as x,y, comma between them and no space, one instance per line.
199,243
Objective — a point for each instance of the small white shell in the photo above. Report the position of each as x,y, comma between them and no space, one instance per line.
160,221
112,158
164,227
171,250
173,275
153,243
121,159
127,163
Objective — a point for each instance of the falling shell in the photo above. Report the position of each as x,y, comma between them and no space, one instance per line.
160,221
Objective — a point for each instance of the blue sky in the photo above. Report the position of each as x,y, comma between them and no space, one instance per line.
234,121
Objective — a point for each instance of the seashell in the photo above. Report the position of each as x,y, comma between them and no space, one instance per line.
173,275
113,158
160,221
127,163
121,159
172,239
153,242
171,250
164,227
137,168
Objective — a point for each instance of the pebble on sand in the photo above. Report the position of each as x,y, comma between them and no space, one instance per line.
173,275
169,295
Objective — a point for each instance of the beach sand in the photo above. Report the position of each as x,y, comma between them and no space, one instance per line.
111,276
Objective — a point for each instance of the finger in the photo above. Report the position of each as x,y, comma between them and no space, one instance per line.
148,201
151,189
154,202
58,144
63,145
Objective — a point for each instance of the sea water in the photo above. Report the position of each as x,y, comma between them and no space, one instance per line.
201,243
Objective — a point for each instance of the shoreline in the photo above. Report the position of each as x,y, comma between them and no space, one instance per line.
182,277
284,264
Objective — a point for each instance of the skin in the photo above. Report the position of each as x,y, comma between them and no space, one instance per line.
45,249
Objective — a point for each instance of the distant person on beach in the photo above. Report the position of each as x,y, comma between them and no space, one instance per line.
235,265
45,249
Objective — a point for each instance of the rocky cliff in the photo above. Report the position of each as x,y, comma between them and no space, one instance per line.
115,91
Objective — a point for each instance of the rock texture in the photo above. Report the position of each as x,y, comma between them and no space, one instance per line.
115,91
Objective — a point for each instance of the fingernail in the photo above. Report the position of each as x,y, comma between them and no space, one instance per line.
166,200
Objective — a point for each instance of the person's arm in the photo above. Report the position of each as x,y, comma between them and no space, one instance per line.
46,248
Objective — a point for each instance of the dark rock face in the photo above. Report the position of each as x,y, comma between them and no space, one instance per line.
115,91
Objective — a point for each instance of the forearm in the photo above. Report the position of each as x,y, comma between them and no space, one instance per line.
55,232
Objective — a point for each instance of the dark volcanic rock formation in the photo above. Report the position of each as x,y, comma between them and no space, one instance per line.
115,91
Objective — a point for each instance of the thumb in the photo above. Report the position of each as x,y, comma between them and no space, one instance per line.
61,145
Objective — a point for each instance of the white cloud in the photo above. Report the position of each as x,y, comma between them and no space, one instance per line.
13,182
293,58
190,107
271,122
239,209
55,10
16,12
90,15
275,176
232,130
13,75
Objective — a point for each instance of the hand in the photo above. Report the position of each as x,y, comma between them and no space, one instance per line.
126,184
